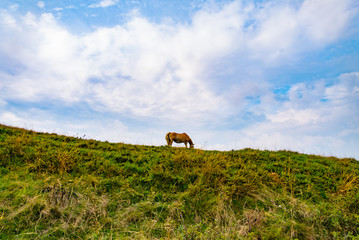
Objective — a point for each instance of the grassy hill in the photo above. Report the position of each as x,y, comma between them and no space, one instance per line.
59,187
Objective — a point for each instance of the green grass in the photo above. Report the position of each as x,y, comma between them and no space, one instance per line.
59,187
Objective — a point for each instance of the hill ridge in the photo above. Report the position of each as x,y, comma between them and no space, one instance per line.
55,186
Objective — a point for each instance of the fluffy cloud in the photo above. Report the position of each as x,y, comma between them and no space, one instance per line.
14,7
281,30
40,4
316,118
45,60
142,68
103,4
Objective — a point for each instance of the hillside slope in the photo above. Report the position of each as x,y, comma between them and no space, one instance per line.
54,187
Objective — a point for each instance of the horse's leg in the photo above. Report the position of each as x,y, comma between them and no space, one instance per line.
185,143
171,141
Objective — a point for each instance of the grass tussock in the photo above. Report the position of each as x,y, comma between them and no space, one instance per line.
58,187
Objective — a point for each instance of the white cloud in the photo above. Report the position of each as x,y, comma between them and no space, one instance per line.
41,4
348,86
283,29
299,116
143,68
150,69
103,4
14,7
10,118
315,119
44,55
71,7
324,20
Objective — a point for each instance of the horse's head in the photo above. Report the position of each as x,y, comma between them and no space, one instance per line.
191,146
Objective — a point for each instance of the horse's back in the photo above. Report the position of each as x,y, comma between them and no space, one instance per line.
185,136
182,136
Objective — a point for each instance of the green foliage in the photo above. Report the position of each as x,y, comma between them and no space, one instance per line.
58,187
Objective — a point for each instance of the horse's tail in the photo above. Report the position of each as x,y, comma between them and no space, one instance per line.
168,138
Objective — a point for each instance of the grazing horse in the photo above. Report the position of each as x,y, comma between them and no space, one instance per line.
178,138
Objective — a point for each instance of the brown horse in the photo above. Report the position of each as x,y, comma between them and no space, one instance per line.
178,138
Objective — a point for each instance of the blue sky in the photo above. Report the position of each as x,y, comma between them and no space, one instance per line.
232,74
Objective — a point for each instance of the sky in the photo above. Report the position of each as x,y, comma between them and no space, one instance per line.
262,74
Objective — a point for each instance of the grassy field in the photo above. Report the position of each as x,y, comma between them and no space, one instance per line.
59,187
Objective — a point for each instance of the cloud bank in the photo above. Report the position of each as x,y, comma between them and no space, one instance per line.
205,75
